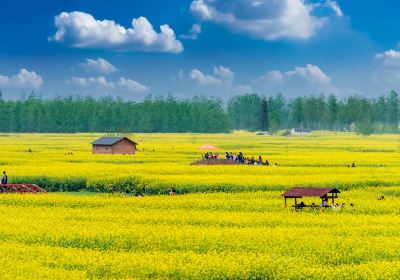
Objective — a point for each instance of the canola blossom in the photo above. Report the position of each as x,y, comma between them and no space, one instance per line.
64,162
227,222
199,236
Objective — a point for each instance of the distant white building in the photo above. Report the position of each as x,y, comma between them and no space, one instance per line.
299,131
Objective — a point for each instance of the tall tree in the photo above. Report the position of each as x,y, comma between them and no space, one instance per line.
264,115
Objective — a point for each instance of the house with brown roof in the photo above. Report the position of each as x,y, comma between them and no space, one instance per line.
114,145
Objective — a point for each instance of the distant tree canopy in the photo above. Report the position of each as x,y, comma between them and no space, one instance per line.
201,114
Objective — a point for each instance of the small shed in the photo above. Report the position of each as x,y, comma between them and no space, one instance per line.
114,145
299,131
323,193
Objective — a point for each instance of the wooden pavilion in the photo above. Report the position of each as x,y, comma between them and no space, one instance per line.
323,193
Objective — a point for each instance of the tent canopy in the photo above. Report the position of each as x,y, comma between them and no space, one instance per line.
208,147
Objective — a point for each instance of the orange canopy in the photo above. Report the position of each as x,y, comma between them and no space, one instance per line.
208,147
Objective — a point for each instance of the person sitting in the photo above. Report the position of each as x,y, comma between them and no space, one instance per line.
240,157
324,202
381,197
172,191
207,155
252,161
266,163
313,205
353,165
227,157
300,206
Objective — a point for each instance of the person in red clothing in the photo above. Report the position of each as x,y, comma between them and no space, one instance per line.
172,191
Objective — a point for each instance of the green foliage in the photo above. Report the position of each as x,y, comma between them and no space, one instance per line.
250,112
86,114
365,128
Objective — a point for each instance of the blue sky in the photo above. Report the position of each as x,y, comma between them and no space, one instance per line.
210,47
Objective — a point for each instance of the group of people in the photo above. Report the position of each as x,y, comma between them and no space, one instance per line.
238,158
324,204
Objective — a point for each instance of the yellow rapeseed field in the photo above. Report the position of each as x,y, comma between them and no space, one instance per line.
163,161
228,222
199,236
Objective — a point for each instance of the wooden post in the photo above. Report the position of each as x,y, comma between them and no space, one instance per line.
295,201
333,199
285,203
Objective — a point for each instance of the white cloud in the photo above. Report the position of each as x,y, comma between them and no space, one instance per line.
224,73
265,19
335,7
388,57
300,80
388,69
131,85
310,73
99,65
82,30
194,32
24,79
101,82
274,77
203,79
222,76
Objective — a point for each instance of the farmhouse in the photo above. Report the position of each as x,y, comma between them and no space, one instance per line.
114,145
299,131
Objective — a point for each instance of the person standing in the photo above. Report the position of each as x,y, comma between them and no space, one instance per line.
4,179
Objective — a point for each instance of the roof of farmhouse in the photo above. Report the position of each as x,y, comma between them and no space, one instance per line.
301,192
109,141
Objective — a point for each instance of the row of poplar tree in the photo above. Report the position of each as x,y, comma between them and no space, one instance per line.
251,112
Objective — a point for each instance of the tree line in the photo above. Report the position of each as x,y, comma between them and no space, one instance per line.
251,112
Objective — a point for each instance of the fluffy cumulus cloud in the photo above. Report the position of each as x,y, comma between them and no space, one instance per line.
203,79
221,82
388,68
24,79
194,32
224,73
99,65
101,82
221,76
131,85
301,80
82,30
310,74
267,19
